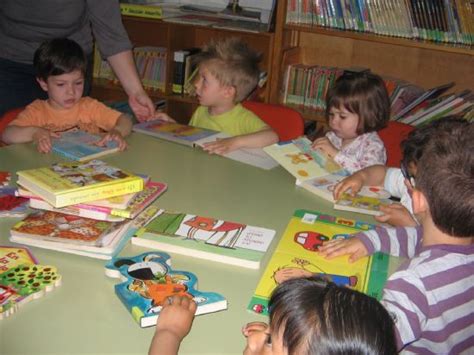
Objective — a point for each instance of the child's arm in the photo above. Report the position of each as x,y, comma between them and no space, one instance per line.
258,139
174,323
19,134
122,128
371,176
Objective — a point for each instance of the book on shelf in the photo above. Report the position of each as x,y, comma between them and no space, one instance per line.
141,10
64,184
205,238
96,210
70,234
12,205
296,255
148,280
180,65
81,146
198,137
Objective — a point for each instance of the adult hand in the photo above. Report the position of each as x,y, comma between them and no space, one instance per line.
142,106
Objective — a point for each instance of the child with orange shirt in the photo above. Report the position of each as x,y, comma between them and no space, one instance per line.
60,65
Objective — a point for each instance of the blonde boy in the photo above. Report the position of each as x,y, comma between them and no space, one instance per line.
431,295
228,72
60,68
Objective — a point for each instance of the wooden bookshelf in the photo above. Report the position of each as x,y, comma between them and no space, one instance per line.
173,36
424,63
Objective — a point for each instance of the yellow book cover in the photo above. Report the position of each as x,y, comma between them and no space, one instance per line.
296,256
64,184
147,11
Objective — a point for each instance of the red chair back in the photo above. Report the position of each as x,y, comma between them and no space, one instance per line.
392,136
286,122
7,118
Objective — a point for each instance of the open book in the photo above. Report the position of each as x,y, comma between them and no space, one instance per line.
205,238
147,282
297,256
197,137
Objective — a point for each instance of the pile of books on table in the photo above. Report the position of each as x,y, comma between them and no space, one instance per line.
82,208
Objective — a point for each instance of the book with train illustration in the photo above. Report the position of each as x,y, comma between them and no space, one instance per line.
297,256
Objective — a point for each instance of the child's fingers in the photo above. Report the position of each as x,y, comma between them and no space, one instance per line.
382,218
254,326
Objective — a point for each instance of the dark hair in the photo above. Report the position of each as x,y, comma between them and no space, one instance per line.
233,63
364,94
59,56
324,318
445,175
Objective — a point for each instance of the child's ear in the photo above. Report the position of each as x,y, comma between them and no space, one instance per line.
229,92
420,204
43,84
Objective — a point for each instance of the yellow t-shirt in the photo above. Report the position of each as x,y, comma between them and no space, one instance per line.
235,122
88,115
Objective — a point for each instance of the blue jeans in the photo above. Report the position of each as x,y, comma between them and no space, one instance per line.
18,85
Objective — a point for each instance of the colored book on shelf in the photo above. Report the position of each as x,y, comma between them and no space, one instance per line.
12,205
81,146
205,238
180,64
24,283
138,10
137,204
296,255
64,184
148,280
197,137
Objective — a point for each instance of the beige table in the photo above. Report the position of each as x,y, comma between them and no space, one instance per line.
84,316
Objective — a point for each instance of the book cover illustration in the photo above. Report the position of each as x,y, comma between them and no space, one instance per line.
297,256
23,283
64,184
10,257
11,205
172,131
148,281
206,238
64,228
81,146
5,178
361,204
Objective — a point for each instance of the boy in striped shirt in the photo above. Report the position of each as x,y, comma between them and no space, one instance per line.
431,296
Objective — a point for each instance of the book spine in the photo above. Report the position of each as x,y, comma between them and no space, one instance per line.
155,12
179,65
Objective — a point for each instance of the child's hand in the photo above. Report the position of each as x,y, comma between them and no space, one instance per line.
353,183
352,246
113,135
162,117
42,138
257,334
222,146
396,215
176,317
326,146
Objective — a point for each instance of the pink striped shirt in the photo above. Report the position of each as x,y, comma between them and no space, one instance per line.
431,296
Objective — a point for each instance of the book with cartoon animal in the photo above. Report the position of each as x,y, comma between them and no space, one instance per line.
197,137
296,256
12,205
102,210
64,184
361,204
70,234
81,146
147,282
303,162
205,238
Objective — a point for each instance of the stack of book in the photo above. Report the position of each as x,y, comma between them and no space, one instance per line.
10,205
83,208
441,21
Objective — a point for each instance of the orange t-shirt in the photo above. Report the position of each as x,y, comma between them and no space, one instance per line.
88,115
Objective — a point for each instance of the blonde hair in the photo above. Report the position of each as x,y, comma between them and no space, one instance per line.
233,64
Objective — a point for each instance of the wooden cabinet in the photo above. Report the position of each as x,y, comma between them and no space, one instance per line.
149,32
423,63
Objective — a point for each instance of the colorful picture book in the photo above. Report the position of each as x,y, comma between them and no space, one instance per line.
64,184
12,256
81,146
361,204
70,234
301,161
297,256
205,238
11,205
197,137
104,209
148,281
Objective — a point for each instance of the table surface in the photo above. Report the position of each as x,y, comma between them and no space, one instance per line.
84,315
